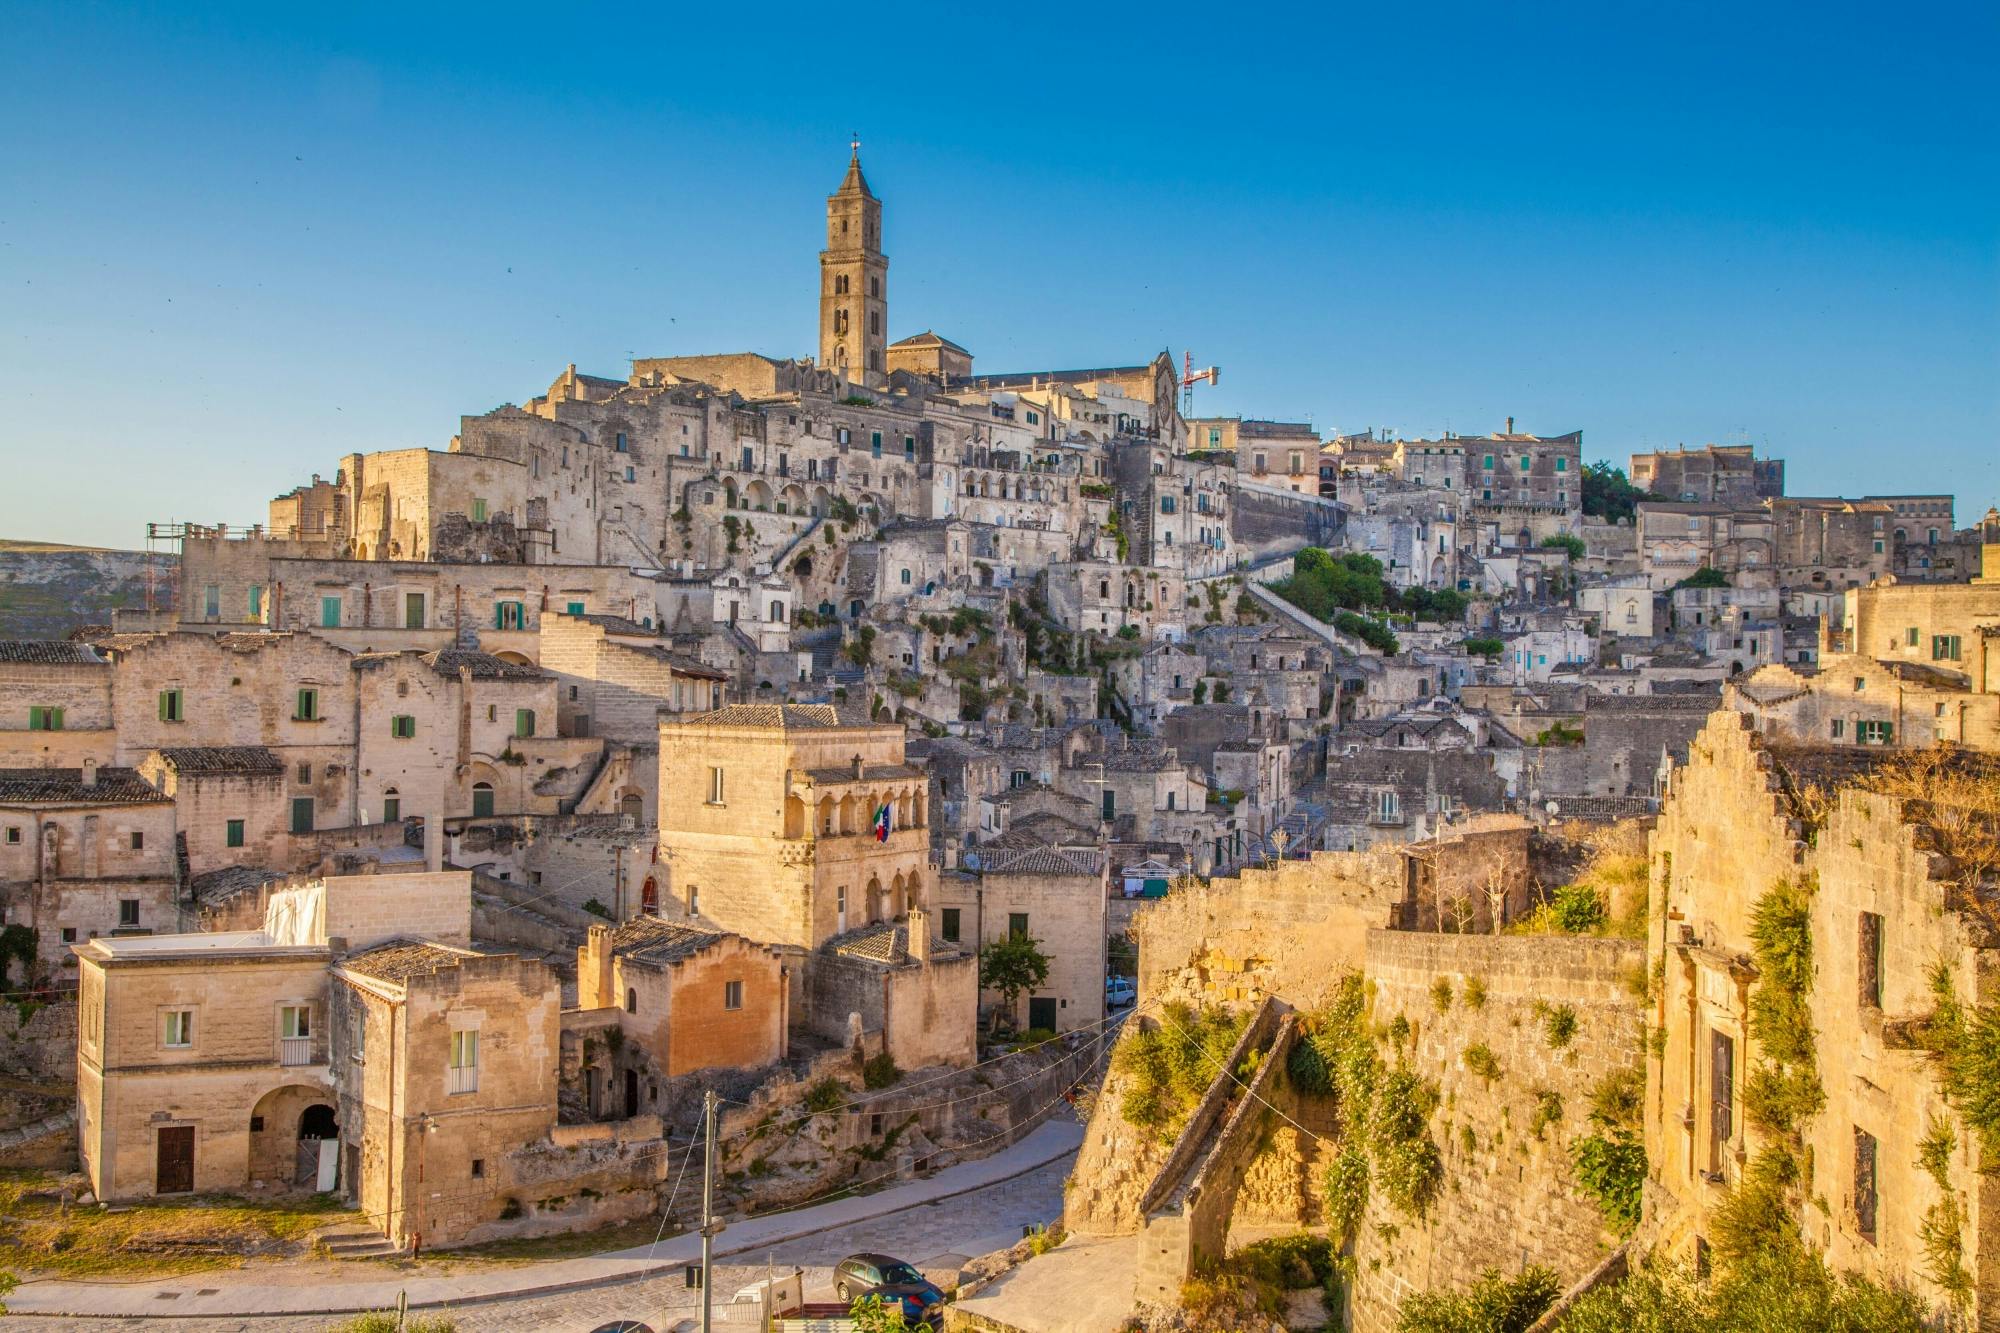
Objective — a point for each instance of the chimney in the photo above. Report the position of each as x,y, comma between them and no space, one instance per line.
90,772
920,935
860,768
1510,425
594,977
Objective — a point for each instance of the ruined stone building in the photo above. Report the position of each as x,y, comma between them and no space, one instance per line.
1851,865
1719,474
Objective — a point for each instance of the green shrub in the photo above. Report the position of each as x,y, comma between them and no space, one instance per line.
1441,994
1579,908
1493,1304
1484,646
1558,1025
1169,1066
1783,1089
826,1095
1346,1193
1784,1290
1475,992
1612,1170
596,908
1618,1099
1480,1060
1548,1111
880,1072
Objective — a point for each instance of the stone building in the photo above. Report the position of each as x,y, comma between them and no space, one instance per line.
1720,474
55,705
686,1000
84,852
1867,874
231,806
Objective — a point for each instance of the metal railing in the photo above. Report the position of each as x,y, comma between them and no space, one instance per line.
295,1050
461,1078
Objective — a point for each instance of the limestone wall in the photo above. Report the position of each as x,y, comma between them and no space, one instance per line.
1509,1198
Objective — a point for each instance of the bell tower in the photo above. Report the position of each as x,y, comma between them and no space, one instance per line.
854,282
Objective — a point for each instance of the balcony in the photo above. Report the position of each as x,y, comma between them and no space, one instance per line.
295,1051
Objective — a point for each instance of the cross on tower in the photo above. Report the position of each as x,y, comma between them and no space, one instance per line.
856,144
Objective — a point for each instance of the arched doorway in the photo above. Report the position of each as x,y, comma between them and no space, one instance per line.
649,897
632,805
294,1138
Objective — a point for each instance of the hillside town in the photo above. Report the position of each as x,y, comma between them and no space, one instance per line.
1412,872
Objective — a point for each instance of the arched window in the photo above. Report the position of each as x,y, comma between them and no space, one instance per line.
840,284
906,578
631,1000
482,800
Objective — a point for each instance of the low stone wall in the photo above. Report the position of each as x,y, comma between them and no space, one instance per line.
1510,1198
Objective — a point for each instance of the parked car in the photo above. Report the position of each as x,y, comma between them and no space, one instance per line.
1119,991
861,1275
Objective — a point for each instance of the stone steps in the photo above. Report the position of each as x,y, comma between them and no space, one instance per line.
356,1244
62,1122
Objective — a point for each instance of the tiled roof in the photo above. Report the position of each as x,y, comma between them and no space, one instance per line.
869,773
49,652
399,960
64,786
767,715
483,666
1044,861
648,939
221,759
214,887
611,624
1043,828
682,664
883,942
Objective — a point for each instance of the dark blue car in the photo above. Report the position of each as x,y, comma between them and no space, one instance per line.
862,1275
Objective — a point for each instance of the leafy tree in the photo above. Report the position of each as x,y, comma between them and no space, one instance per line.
1609,494
1485,646
1567,541
1011,966
860,649
870,1315
1708,576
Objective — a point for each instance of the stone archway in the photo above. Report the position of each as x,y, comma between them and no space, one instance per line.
280,1121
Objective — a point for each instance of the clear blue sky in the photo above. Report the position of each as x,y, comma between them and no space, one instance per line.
237,244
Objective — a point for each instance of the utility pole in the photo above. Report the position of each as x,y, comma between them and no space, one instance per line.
709,1226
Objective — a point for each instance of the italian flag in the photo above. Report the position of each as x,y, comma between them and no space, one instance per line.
882,824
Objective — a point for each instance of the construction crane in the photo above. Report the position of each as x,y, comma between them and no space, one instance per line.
1191,377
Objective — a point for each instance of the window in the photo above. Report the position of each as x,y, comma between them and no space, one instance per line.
906,578
232,834
302,814
479,1168
1868,960
69,935
462,1075
479,511
308,707
875,444
128,912
1837,728
1944,647
732,995
631,474
329,612
1873,733
1562,465
482,800
631,1000
305,773
524,722
45,718
1912,636
170,706
402,726
138,842
949,924
177,1028
576,608
620,445
509,615
1865,1197
413,610
909,446
392,806
715,786
211,601
1721,1097
256,601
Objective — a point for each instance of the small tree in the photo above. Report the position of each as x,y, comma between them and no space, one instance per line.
1011,966
870,1315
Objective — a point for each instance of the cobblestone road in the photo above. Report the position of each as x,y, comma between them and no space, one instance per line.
932,1236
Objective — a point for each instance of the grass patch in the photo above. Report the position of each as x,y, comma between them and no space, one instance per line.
151,1238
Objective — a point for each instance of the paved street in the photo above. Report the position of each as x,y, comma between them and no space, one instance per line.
936,1235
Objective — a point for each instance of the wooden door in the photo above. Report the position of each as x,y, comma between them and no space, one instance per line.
1042,1012
175,1173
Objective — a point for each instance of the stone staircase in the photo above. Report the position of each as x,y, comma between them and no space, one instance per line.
52,1136
353,1242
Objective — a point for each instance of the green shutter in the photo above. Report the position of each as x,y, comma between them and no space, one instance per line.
55,719
233,834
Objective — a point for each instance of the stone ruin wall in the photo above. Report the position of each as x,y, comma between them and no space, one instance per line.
1512,1200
